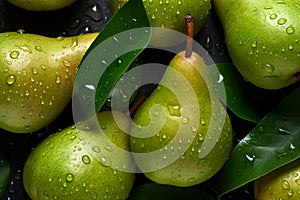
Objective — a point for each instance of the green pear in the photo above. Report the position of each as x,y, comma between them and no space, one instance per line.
36,77
42,5
65,166
172,125
169,14
262,39
282,183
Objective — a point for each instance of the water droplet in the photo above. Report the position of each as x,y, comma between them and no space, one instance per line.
60,38
94,12
282,21
11,79
69,177
273,16
86,159
14,54
174,110
183,156
185,120
105,161
261,129
58,80
298,181
26,49
27,93
290,30
200,137
34,71
290,193
208,42
269,67
202,121
292,146
285,184
254,44
67,63
108,148
96,149
194,129
155,113
104,62
251,158
38,48
221,78
51,145
283,131
90,87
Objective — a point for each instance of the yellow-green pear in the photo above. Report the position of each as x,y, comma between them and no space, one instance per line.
171,126
81,163
36,77
42,5
282,183
169,14
263,39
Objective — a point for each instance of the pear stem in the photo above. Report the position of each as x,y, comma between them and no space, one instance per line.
189,20
136,105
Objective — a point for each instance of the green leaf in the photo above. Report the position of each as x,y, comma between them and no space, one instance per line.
274,142
245,100
4,173
150,191
121,40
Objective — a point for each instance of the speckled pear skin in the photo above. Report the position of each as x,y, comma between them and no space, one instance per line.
188,169
36,77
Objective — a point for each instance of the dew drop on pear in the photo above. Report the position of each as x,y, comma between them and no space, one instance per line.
11,79
86,159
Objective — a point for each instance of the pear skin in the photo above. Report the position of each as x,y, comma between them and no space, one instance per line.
41,5
168,15
64,166
262,39
36,78
164,110
281,183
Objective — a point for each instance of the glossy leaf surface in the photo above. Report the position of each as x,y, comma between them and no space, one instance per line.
274,142
122,39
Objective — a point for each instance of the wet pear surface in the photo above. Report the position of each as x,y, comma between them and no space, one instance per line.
37,75
263,40
77,163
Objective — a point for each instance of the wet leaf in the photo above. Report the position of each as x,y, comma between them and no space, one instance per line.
4,173
274,142
242,98
155,191
120,42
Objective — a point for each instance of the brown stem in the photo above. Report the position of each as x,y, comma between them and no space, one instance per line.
189,20
136,105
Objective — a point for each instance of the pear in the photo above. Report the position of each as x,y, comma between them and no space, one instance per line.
168,14
36,77
282,183
41,5
262,39
65,166
170,129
